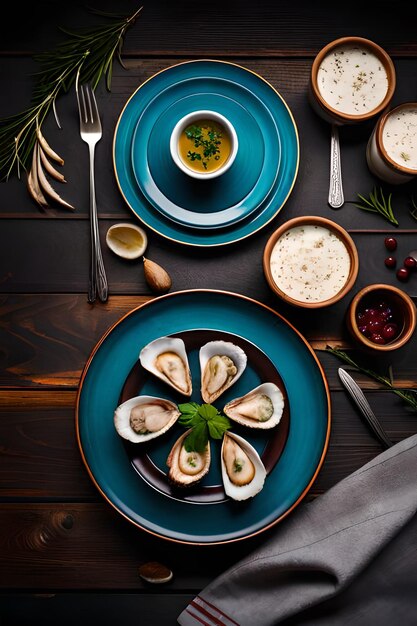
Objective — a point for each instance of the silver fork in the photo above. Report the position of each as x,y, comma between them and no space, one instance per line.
90,131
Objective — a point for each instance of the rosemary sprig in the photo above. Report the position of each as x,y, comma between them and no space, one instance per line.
410,397
378,204
413,210
91,51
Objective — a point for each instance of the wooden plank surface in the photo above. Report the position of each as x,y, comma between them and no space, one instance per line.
222,27
46,338
131,609
57,533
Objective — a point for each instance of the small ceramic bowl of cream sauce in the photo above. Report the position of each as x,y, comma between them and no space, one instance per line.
204,144
310,262
391,153
352,79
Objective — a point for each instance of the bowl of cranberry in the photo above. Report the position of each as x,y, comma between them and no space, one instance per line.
381,317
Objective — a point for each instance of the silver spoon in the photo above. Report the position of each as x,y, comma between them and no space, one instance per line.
336,198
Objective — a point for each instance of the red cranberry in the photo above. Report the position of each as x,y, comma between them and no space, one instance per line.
390,243
390,261
390,331
376,325
403,274
377,338
386,314
410,263
364,330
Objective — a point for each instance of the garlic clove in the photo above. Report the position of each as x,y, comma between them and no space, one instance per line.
45,185
33,182
47,148
156,276
127,240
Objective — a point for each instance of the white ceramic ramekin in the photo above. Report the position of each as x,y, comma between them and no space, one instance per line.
379,162
186,121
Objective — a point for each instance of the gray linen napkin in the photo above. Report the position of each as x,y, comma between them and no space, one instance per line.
354,542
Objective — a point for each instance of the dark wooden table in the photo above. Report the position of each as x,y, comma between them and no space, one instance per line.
65,554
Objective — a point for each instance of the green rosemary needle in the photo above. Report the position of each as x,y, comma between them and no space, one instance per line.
91,51
410,397
378,204
413,210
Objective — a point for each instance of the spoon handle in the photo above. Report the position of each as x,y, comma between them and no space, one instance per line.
336,199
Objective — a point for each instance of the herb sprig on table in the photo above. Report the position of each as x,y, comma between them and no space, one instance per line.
378,203
410,397
89,51
205,421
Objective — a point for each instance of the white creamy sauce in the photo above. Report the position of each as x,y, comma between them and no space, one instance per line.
399,136
352,80
310,263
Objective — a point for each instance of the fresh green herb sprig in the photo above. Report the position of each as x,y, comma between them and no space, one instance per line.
408,396
210,145
205,421
90,51
413,210
378,203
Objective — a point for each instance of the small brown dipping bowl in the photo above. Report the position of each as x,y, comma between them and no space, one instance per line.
312,220
403,311
331,114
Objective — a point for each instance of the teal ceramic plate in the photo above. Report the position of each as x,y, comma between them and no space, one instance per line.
229,198
103,450
288,163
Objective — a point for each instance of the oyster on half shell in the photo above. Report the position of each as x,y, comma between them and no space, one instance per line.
167,359
145,417
221,364
260,408
187,468
243,472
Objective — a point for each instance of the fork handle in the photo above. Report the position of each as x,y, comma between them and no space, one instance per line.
98,280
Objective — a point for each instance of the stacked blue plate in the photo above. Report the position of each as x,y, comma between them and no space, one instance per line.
232,206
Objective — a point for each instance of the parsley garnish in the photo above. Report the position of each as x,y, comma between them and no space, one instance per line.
209,144
205,421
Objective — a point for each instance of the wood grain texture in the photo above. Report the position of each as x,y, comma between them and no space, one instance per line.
265,28
57,533
46,339
107,609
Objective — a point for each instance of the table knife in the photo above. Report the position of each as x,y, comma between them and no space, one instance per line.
362,403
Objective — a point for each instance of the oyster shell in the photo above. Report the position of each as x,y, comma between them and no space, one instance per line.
187,468
167,359
260,408
221,364
145,417
243,472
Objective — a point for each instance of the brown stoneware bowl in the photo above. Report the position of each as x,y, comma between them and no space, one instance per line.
331,114
346,279
380,296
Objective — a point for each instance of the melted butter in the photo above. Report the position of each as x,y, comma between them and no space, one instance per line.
352,80
399,136
310,263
